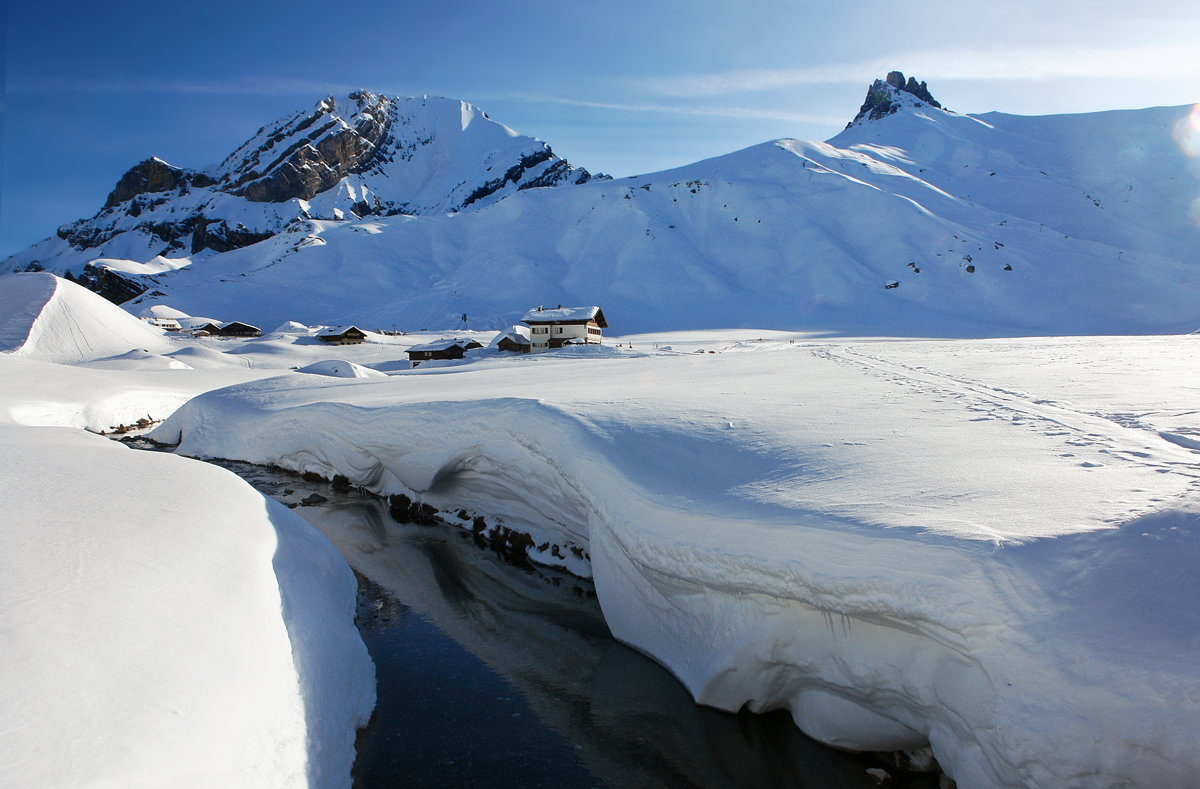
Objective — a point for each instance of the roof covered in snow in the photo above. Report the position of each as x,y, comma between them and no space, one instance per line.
444,345
566,315
337,331
517,334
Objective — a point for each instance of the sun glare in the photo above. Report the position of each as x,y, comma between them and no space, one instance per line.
1187,133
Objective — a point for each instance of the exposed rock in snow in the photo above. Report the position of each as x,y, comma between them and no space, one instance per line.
153,175
883,97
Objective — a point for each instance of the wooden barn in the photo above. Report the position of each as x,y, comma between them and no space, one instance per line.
230,329
206,330
342,335
441,349
515,340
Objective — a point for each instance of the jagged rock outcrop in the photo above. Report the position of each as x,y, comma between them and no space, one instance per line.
154,175
882,97
366,136
111,285
218,236
304,156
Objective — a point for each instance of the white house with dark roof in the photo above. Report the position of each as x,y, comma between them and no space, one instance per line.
553,328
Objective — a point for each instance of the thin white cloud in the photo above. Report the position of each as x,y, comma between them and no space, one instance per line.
1167,61
258,86
679,109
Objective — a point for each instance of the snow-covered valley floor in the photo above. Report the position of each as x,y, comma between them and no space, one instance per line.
987,547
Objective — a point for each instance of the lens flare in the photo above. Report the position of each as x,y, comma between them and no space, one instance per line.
1187,136
1187,133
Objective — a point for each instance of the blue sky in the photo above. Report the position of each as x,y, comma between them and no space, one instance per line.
620,87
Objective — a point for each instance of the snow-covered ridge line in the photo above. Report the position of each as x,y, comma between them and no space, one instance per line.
896,564
919,222
913,225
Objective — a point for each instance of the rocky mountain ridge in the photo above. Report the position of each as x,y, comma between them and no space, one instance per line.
886,96
352,157
918,222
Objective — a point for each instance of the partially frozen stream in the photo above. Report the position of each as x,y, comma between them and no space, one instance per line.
498,676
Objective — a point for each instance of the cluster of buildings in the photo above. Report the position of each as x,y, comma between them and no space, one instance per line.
543,329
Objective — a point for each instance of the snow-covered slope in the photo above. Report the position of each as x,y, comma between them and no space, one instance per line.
986,547
921,222
162,624
913,221
353,156
45,317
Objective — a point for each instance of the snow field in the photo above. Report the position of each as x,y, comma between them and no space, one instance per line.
897,544
161,624
166,625
923,224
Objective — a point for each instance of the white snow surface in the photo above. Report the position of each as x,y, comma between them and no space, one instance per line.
45,317
340,368
987,547
165,625
161,623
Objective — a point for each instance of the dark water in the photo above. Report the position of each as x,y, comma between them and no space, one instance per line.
490,675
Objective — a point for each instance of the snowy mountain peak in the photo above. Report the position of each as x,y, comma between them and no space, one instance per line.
305,153
886,96
345,157
412,141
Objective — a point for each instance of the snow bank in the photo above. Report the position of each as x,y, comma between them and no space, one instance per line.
340,368
161,624
44,317
43,394
984,547
165,625
161,311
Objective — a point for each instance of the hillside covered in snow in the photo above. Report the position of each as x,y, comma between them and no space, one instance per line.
346,158
913,221
979,550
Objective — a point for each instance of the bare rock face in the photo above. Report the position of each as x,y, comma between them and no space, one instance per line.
153,175
882,96
109,284
303,158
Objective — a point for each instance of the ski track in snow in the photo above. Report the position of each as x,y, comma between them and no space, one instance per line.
1122,437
